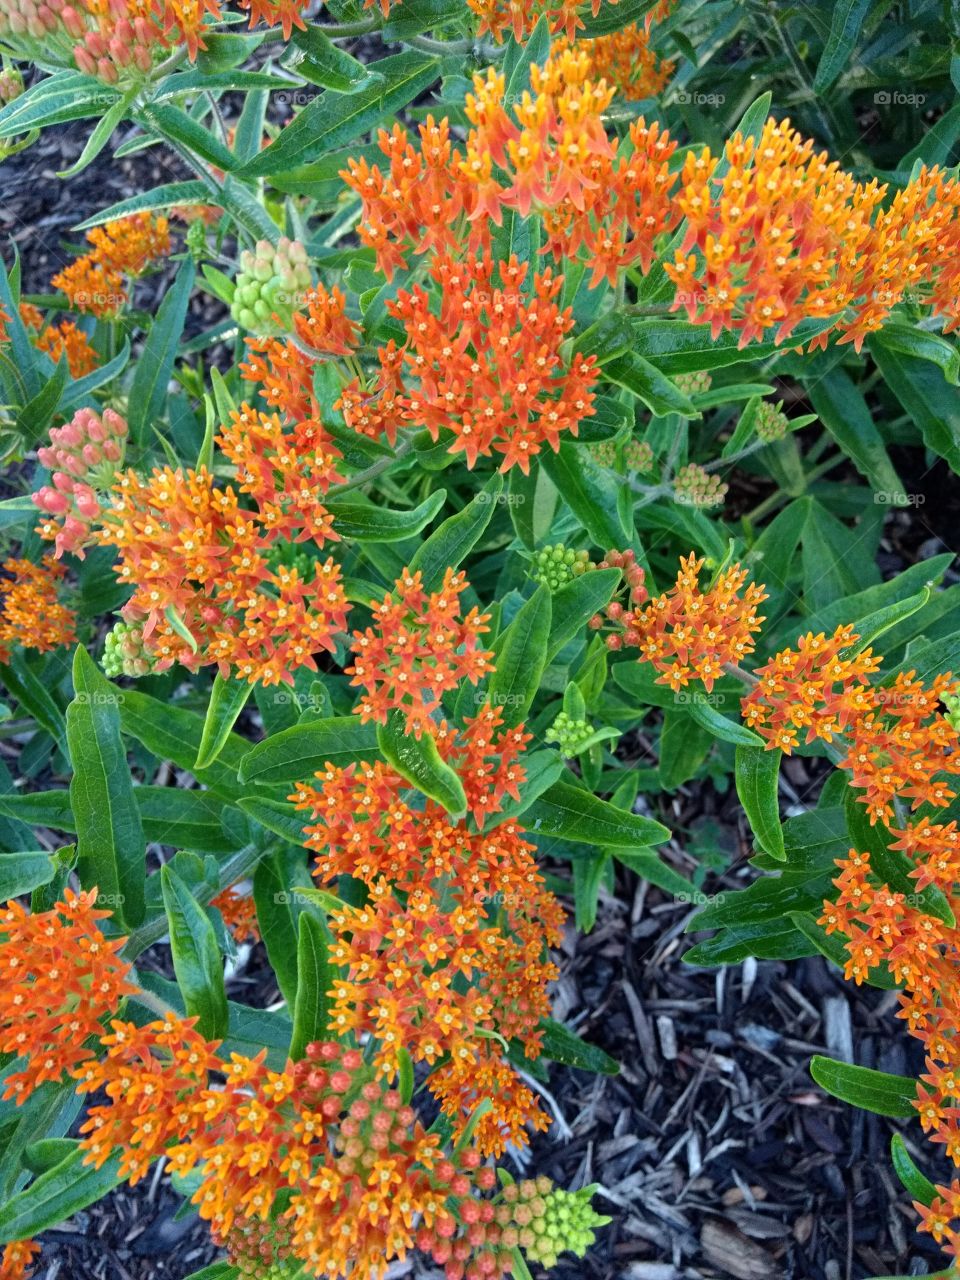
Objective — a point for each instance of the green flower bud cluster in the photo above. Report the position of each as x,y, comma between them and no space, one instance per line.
604,452
557,565
11,84
638,455
270,286
952,703
694,384
569,734
552,1221
260,1250
772,423
693,486
124,653
288,556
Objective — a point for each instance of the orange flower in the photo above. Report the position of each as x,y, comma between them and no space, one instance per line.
16,1260
625,59
326,326
199,560
31,616
239,913
61,976
519,17
152,1076
898,742
419,649
284,13
688,634
122,251
65,339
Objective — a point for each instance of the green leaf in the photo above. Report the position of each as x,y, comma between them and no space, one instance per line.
648,384
196,957
332,120
279,908
148,393
227,699
757,774
588,876
183,132
451,542
571,813
297,753
877,1091
173,733
520,655
842,409
34,418
316,58
166,196
560,1044
101,134
15,512
683,748
921,388
418,760
918,1186
679,346
283,819
576,603
110,840
913,341
846,24
32,694
370,522
648,865
56,1195
719,725
66,95
315,978
590,493
21,873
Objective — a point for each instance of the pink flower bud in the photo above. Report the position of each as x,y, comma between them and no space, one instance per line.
73,22
92,456
84,61
107,71
74,465
64,483
86,502
47,457
114,423
111,451
71,434
48,499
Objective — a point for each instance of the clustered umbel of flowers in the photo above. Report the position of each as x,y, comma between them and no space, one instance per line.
83,457
556,565
31,614
64,339
195,554
418,649
517,18
98,282
694,486
446,960
273,282
626,60
687,633
636,455
60,977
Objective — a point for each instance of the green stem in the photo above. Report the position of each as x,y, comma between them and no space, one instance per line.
376,469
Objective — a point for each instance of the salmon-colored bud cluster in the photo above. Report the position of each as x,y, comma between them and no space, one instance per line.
83,457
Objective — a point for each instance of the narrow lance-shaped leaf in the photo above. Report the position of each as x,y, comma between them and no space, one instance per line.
315,978
520,656
757,775
418,760
196,957
110,841
227,700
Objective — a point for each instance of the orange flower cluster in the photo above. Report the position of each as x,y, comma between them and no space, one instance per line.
786,235
30,613
447,956
16,1259
239,913
626,60
922,952
898,742
418,650
689,634
482,362
60,977
197,558
98,282
323,1162
63,339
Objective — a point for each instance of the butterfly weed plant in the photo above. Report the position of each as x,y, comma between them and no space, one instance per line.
519,380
